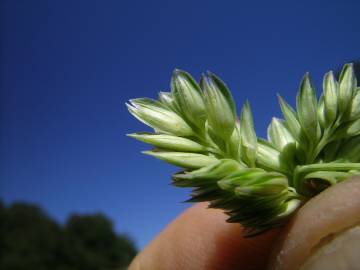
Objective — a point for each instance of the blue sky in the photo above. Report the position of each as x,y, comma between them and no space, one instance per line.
68,67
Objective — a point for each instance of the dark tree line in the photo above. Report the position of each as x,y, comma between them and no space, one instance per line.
30,240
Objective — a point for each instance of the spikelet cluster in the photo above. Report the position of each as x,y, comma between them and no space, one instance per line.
259,182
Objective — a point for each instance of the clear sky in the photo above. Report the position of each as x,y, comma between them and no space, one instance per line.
68,67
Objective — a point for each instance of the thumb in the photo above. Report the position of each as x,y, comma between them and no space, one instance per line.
201,239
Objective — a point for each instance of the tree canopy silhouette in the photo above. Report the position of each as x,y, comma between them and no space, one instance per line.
29,239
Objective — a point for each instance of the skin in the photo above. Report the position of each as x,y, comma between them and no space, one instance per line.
333,210
201,239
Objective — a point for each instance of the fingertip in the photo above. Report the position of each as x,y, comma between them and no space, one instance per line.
201,239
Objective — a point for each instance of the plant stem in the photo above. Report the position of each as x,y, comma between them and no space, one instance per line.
301,171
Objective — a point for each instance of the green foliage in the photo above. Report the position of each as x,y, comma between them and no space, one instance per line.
259,183
31,240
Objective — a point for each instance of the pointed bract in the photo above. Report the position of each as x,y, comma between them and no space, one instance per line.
248,136
330,88
168,101
216,170
183,159
354,111
290,117
220,106
273,186
268,157
205,175
306,105
242,177
321,114
158,117
169,142
189,97
347,86
279,135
